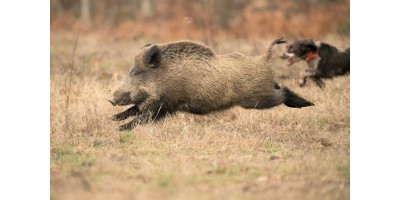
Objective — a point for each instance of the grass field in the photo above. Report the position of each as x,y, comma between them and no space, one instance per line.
279,153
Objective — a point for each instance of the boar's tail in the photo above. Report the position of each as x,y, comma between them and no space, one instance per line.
268,54
293,100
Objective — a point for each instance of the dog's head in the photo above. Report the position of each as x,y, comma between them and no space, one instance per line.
299,50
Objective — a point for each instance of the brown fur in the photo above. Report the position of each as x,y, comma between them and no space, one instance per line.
191,77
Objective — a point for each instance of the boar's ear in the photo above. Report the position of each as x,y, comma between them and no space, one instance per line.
152,56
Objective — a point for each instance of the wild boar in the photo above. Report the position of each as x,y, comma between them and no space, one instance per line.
189,76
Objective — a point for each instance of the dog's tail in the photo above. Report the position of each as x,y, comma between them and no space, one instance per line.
293,100
268,54
347,51
347,66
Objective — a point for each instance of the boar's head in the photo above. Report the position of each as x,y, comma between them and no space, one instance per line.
141,88
139,84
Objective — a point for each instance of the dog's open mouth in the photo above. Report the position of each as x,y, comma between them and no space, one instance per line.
291,60
290,57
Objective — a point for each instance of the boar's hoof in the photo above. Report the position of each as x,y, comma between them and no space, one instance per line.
125,127
121,128
113,118
112,102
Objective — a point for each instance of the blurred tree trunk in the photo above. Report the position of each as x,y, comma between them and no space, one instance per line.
56,6
85,11
147,8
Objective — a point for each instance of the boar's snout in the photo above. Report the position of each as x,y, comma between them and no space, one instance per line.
120,98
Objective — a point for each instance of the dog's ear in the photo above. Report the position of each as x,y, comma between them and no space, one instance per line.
310,44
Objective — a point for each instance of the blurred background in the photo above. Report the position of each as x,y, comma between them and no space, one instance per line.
204,20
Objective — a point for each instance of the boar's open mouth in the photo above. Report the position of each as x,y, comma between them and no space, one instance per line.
131,111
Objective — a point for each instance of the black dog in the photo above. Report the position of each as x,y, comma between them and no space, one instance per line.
324,60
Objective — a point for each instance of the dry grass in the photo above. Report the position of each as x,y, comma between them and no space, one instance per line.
280,153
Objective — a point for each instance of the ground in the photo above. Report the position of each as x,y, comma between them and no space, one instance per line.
278,153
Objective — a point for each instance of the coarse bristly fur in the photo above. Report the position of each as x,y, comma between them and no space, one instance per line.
327,63
189,76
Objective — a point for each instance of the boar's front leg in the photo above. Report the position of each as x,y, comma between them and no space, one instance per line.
127,113
154,113
128,126
140,119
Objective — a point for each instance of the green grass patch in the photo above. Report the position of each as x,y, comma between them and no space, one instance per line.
344,170
271,148
151,152
66,156
82,161
343,28
164,180
126,137
60,152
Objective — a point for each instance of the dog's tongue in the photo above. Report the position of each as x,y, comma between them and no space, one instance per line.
290,61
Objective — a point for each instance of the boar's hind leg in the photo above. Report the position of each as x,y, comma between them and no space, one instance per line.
263,102
281,95
123,115
293,100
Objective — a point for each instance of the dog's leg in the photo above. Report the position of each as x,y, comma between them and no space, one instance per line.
319,82
305,75
303,81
